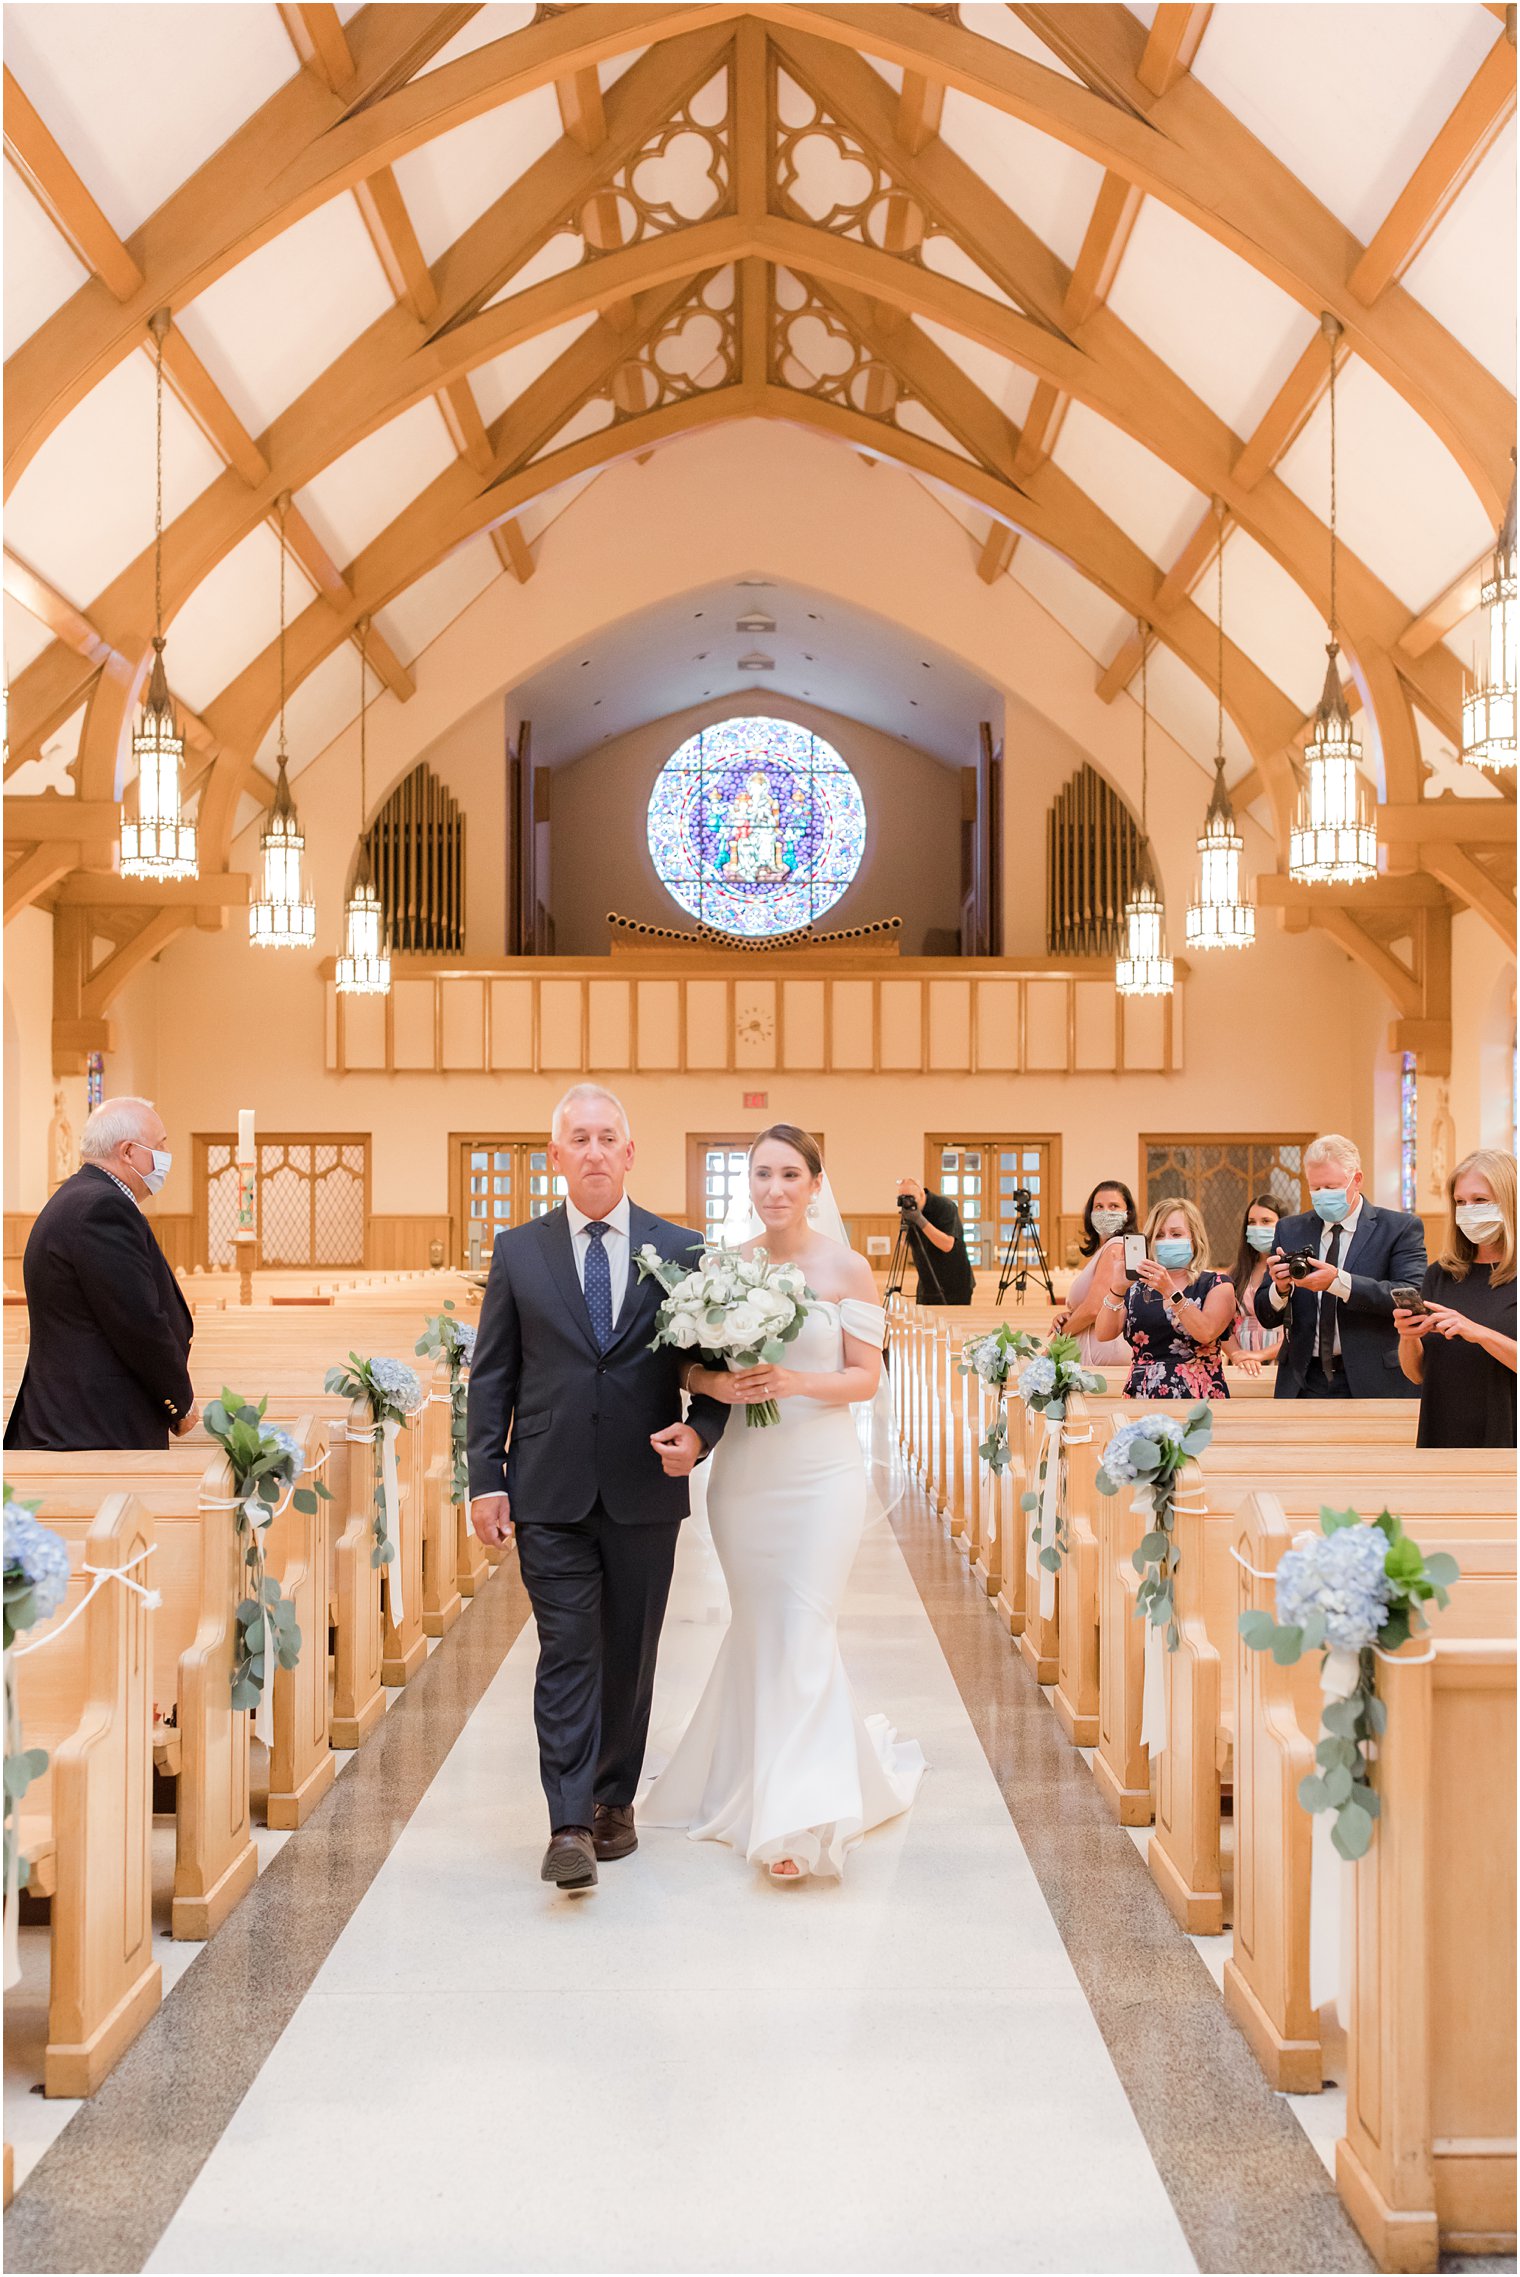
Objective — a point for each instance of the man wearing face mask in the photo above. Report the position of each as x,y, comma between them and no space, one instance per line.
1341,1342
108,1362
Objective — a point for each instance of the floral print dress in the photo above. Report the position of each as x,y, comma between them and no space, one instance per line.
1165,1363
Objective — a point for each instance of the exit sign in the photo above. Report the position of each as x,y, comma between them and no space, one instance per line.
757,1098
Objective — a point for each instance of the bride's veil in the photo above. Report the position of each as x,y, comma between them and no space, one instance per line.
875,1419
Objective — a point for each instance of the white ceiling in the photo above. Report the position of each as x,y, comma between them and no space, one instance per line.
687,650
1348,96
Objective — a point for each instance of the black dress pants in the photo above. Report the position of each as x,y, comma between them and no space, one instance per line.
598,1592
1320,1384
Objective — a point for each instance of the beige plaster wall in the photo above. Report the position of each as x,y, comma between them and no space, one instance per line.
601,857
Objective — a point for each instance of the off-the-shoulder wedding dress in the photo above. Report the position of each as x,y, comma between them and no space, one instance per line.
777,1759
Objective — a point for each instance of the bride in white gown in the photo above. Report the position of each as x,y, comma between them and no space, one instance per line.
777,1759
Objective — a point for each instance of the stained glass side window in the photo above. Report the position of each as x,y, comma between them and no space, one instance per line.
1409,1130
756,827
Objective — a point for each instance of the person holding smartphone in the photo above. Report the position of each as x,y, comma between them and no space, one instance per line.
1457,1336
1253,1347
1109,1214
1172,1310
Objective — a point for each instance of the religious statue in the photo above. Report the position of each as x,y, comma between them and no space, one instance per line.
754,852
63,1155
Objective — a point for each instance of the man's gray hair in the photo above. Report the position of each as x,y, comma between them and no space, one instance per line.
1333,1146
112,1124
581,1094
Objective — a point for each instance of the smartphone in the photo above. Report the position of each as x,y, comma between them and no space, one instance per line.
1134,1255
1407,1298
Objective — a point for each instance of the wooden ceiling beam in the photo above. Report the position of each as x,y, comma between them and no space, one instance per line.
1108,233
321,45
59,191
1252,204
996,556
383,210
42,601
298,150
1170,46
1473,885
210,410
513,550
1396,979
36,873
920,106
226,890
1465,137
467,430
105,984
581,110
50,820
1447,610
1380,896
1448,822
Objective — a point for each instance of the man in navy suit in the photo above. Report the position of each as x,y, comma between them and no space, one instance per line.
1341,1342
108,1360
593,1483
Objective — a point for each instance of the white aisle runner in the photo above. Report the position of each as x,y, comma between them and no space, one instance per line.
692,2069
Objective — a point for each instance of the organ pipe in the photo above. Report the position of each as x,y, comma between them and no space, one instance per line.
1092,851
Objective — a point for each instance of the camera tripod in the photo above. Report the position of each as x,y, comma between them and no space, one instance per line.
904,1252
1023,1259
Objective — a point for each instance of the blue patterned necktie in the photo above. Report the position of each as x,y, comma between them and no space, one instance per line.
598,1284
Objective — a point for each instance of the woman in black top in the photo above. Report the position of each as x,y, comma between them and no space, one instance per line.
1461,1350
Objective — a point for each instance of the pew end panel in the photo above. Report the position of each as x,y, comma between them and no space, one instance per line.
1427,2164
87,1696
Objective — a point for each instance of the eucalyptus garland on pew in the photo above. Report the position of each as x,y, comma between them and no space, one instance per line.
36,1583
993,1358
394,1395
1149,1453
1046,1382
446,1336
266,1464
1349,1592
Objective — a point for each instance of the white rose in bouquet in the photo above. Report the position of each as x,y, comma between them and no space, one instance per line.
734,1310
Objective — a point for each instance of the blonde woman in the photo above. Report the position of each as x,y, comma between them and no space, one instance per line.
1461,1349
1177,1316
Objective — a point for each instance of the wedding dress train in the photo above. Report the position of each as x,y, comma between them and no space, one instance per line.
777,1760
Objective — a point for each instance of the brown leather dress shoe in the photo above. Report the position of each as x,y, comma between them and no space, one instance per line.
614,1834
570,1859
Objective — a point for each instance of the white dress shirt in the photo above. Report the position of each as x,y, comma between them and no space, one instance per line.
615,1241
1340,1287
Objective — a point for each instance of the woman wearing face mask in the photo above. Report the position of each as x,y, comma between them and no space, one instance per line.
1461,1350
1108,1216
1253,1347
1177,1315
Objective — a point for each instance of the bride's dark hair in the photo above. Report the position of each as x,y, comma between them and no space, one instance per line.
800,1142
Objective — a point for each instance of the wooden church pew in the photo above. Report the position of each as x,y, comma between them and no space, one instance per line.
1427,2163
1199,1677
198,1567
85,1827
1277,1727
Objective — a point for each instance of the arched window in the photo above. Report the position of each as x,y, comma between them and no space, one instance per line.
756,827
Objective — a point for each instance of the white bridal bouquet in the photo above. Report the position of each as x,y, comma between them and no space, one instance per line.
732,1311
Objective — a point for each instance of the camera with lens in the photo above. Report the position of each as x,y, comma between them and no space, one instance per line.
1301,1262
906,1202
1023,1202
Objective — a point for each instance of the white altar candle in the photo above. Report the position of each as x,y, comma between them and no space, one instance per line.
245,1151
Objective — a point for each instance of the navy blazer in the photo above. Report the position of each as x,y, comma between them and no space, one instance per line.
108,1364
1388,1246
580,1420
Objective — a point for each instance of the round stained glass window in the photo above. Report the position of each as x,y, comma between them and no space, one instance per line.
756,827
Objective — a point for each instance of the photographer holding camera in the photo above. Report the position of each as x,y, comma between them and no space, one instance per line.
938,1242
1333,1273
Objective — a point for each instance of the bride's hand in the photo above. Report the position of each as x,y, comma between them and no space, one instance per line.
754,1385
715,1383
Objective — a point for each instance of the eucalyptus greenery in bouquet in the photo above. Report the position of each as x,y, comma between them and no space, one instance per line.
1148,1453
1350,1591
732,1311
448,1337
993,1358
1046,1382
266,1464
36,1582
394,1394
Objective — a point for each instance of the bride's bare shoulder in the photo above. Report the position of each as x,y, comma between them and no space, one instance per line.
840,1272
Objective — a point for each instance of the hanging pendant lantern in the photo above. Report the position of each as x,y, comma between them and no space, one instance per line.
1217,917
1334,835
158,842
1488,709
1146,970
284,916
364,969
